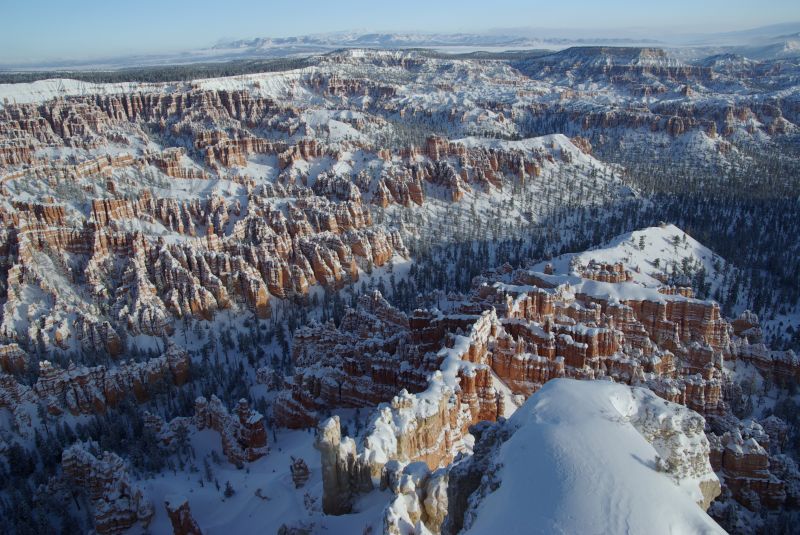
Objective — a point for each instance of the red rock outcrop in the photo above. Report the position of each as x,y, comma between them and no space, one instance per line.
180,516
351,366
169,163
13,358
747,326
243,253
82,390
781,366
267,251
244,437
428,427
603,272
745,467
524,372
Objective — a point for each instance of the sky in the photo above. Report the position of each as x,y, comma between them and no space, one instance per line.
32,30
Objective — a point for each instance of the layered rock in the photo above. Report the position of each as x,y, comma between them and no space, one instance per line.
243,434
17,399
266,252
344,475
747,326
261,195
782,366
599,271
142,255
350,366
556,330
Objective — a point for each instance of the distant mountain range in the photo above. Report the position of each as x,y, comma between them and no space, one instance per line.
768,42
414,40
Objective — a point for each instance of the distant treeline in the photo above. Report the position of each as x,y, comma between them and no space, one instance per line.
166,73
508,55
194,71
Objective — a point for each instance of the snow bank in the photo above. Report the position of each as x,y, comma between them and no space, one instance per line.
598,457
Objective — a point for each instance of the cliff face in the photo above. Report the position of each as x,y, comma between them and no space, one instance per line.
83,390
164,281
173,202
13,358
428,427
266,252
674,343
344,475
564,453
359,362
779,366
16,397
130,211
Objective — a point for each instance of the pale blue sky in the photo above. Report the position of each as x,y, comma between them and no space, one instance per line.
47,29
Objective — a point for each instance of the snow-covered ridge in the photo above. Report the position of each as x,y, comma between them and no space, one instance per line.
266,84
550,143
407,410
651,254
610,56
43,90
598,457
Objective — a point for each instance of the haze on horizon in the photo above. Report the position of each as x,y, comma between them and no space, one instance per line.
38,30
